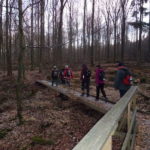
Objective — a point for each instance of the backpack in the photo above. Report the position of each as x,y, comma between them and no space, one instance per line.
68,73
55,73
127,78
101,75
88,73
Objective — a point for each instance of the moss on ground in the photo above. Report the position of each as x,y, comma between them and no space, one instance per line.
41,141
4,132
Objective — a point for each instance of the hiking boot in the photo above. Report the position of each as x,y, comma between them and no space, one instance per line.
96,98
87,95
82,94
106,99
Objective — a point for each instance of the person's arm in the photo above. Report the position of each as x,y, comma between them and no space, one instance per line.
71,74
117,80
52,74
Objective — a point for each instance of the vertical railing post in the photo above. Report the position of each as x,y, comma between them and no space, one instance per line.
108,144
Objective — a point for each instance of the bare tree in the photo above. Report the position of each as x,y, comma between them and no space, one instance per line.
8,49
92,41
60,25
20,63
84,29
1,30
115,12
32,37
42,36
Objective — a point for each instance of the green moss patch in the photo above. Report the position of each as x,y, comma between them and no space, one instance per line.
41,141
4,132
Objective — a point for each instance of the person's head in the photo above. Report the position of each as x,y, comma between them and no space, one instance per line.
119,64
66,66
54,67
84,66
98,66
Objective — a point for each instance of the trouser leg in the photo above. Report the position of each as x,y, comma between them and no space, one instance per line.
97,91
52,82
82,87
87,87
122,92
102,90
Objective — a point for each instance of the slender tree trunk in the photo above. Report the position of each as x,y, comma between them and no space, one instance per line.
84,33
42,40
149,31
1,31
70,35
10,41
9,66
32,40
59,42
92,42
115,40
20,64
140,36
108,36
123,33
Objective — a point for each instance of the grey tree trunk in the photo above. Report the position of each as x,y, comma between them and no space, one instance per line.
42,36
123,29
20,63
1,32
84,30
92,42
8,49
32,38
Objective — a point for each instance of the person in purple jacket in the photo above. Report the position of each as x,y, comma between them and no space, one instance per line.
99,79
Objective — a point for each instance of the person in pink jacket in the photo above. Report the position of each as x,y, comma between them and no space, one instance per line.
100,82
68,75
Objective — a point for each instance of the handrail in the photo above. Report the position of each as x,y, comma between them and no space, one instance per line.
98,136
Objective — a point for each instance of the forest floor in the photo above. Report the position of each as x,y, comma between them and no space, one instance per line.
53,123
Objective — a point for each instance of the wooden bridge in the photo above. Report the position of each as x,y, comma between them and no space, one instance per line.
119,120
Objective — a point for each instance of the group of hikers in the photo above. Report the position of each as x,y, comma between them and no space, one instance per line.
122,80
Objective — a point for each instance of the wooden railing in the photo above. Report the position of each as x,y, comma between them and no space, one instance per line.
119,121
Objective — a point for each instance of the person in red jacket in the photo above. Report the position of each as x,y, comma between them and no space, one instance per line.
68,75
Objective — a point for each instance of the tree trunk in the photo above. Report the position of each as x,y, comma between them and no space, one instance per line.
123,32
115,40
32,40
140,36
42,40
92,42
20,63
84,33
1,32
8,50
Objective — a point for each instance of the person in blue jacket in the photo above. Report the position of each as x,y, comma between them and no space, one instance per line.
123,79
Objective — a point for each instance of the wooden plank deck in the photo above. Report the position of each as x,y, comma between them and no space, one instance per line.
100,106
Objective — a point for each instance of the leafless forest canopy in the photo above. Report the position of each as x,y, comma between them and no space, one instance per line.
37,33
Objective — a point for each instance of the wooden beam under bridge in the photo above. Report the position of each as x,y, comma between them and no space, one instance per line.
100,106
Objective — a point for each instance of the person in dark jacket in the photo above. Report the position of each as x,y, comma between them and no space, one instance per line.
120,84
100,82
55,76
61,76
85,79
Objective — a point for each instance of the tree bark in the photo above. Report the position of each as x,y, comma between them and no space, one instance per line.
42,36
92,42
123,30
1,32
32,38
20,63
8,50
84,31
